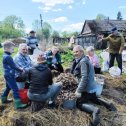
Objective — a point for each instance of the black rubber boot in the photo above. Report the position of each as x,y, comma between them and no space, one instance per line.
107,104
92,110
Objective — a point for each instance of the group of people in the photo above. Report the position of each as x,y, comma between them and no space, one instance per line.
42,88
21,72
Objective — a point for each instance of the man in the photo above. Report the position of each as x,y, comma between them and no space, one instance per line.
9,75
32,42
116,45
22,60
88,90
42,88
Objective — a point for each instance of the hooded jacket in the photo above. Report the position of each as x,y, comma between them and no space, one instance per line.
41,78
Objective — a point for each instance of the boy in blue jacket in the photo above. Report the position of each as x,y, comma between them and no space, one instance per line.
9,75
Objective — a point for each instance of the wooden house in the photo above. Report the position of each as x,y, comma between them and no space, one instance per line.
92,28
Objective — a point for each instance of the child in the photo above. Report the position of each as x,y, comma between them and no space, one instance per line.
9,75
94,59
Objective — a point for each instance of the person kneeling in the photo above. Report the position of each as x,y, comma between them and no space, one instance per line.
41,88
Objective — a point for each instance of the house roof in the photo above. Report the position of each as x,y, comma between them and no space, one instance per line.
97,26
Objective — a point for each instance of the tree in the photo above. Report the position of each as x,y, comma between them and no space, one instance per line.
11,27
36,25
46,30
14,22
75,34
55,34
65,34
119,16
101,17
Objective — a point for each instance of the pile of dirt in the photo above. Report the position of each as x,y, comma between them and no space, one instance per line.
69,86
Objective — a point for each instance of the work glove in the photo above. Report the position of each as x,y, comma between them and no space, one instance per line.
77,94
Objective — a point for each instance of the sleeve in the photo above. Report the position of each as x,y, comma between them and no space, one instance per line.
59,58
10,61
84,77
96,60
19,63
122,44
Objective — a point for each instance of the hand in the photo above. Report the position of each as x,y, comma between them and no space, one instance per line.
100,37
54,66
78,94
120,52
22,70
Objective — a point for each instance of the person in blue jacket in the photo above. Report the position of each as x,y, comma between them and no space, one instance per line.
32,42
9,75
54,60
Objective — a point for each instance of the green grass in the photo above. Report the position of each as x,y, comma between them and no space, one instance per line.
67,58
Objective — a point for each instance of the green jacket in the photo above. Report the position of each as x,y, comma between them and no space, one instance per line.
49,56
116,43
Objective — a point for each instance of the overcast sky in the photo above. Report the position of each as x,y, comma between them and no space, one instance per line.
63,15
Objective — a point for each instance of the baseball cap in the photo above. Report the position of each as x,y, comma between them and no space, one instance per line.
32,31
113,29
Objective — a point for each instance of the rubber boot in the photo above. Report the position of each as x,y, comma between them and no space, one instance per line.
92,110
5,100
107,104
19,105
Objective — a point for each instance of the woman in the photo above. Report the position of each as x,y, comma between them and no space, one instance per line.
94,59
54,60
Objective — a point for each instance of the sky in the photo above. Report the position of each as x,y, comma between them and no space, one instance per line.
63,15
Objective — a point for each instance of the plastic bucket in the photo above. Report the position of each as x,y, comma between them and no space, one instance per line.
23,96
69,104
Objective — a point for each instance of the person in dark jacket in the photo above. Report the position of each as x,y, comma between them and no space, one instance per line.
42,88
54,60
88,89
32,42
9,75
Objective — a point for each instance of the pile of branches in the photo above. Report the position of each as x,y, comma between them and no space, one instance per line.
69,86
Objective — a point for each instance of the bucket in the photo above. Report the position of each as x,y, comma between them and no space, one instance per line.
69,104
23,96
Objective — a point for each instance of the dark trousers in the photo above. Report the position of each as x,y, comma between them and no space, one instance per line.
91,98
118,59
59,67
11,85
30,51
97,70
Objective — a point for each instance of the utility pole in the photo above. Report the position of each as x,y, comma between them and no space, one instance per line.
41,20
41,24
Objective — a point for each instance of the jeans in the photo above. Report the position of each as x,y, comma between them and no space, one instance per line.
11,85
52,93
118,59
